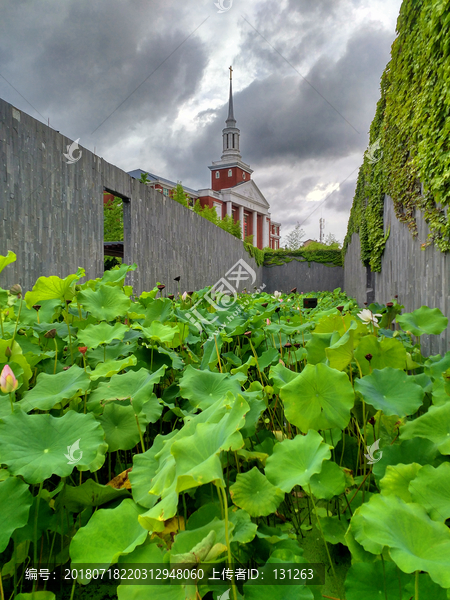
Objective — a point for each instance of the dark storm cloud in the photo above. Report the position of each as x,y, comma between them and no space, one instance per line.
284,120
86,58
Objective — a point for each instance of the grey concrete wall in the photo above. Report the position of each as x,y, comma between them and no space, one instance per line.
314,278
419,277
51,216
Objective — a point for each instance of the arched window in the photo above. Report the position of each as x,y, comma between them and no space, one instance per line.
217,174
230,172
243,174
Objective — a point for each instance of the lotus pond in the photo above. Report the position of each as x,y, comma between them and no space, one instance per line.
277,435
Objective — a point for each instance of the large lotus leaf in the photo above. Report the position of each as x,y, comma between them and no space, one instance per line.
15,502
201,538
268,357
108,534
197,456
120,427
154,519
387,352
37,446
397,479
281,376
329,482
375,581
134,385
340,354
317,345
417,450
94,335
158,310
294,462
415,542
49,288
157,332
255,494
38,595
334,529
319,398
113,276
112,367
423,320
7,260
391,391
89,493
53,389
431,488
435,366
144,468
203,388
105,303
433,425
334,322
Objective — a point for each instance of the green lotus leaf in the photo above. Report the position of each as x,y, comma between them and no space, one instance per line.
431,489
94,335
416,450
294,462
158,310
199,542
255,494
340,354
38,446
376,581
203,388
387,352
16,358
157,332
15,503
197,456
319,398
205,514
134,385
334,529
391,391
144,468
151,592
317,345
329,482
117,276
7,260
153,520
427,589
61,329
269,591
108,534
49,288
120,426
433,425
281,376
89,493
105,303
415,542
38,595
112,367
244,529
268,357
50,390
435,366
423,320
211,353
397,479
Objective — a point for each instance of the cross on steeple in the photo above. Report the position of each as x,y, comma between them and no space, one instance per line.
231,73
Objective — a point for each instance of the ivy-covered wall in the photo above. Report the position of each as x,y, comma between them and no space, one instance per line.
409,151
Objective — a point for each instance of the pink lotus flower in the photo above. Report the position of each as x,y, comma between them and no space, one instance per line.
8,381
268,321
184,296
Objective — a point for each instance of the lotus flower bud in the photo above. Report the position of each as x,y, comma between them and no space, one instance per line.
82,349
16,290
50,334
8,352
8,381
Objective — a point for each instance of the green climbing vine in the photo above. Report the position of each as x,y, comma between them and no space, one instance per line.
328,257
409,136
256,253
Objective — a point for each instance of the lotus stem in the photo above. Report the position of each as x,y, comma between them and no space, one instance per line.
17,324
416,596
70,335
140,434
321,532
36,515
56,355
218,355
227,537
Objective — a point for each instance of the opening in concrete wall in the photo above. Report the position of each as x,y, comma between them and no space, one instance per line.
116,223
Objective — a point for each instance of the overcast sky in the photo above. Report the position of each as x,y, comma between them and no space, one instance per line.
145,83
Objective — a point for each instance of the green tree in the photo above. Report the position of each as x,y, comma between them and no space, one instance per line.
180,196
113,220
293,241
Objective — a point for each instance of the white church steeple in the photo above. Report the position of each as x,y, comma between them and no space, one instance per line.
231,133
